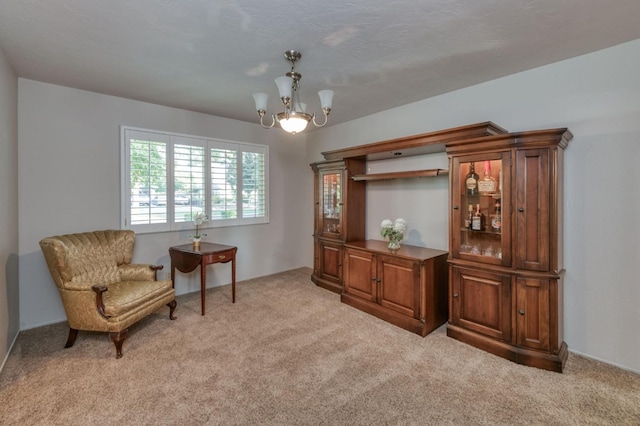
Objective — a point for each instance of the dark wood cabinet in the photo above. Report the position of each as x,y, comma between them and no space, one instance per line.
339,217
407,288
505,269
505,292
340,190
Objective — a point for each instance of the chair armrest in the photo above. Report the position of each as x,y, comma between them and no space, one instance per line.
139,272
99,289
79,285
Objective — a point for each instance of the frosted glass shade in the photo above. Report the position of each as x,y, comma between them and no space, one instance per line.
326,98
284,86
261,101
293,124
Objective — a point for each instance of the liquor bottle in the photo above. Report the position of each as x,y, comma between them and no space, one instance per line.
471,181
469,218
496,218
477,222
487,185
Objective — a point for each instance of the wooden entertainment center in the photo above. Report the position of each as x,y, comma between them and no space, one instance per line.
502,288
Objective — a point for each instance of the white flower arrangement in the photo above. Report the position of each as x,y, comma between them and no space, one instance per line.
393,230
198,219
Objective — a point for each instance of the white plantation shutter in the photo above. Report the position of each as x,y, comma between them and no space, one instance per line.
146,166
253,185
168,178
224,184
188,180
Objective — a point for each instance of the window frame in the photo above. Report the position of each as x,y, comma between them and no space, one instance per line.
171,140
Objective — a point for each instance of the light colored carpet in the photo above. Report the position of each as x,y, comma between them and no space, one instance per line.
289,353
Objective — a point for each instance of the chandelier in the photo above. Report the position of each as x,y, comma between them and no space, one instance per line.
293,119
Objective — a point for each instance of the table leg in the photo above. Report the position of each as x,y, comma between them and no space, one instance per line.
233,279
203,283
173,275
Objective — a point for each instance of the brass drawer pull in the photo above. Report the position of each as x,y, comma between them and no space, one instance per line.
222,256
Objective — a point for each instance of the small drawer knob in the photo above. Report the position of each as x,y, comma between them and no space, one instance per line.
222,256
521,311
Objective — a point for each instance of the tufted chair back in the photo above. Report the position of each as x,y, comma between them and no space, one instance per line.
88,257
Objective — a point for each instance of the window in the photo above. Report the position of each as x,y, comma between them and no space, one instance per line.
167,178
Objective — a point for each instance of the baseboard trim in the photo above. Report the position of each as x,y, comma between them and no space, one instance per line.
604,361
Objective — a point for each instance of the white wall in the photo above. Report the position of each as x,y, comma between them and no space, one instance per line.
9,314
597,96
69,181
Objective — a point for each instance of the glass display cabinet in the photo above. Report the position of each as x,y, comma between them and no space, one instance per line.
339,217
331,203
505,261
481,199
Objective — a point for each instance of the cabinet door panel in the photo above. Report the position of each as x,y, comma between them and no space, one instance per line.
330,199
330,261
482,302
360,274
399,285
489,239
532,209
532,324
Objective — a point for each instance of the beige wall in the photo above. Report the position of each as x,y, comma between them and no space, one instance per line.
69,170
9,313
598,97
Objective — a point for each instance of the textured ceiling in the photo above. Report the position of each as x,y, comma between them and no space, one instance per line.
211,55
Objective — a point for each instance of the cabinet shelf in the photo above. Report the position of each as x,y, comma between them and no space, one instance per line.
484,231
402,175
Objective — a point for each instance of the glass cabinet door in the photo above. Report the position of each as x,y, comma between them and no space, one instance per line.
481,208
331,203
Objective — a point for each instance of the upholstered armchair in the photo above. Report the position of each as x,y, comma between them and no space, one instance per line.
100,288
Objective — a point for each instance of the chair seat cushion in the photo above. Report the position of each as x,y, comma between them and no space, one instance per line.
124,296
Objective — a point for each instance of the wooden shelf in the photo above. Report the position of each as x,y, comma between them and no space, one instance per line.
402,175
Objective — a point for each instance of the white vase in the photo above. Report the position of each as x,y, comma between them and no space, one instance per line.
196,243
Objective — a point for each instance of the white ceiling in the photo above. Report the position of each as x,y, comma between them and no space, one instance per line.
211,55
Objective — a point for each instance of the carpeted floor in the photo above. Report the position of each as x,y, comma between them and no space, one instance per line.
289,353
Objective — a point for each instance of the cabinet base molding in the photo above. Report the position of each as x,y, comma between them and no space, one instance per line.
528,357
328,285
413,325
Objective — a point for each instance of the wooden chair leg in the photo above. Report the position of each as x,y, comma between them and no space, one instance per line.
118,338
73,333
172,307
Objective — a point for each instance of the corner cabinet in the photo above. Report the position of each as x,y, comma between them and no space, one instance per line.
505,261
407,287
339,204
